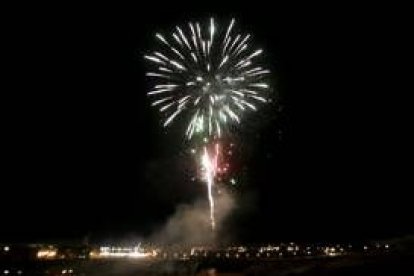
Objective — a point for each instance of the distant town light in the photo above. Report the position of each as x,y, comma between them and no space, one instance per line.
6,248
46,253
124,252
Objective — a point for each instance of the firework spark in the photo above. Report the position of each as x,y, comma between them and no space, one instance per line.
209,73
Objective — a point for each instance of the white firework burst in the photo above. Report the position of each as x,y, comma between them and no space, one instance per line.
212,74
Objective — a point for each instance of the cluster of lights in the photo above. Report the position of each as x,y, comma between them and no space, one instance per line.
123,252
269,248
49,253
332,251
9,272
239,249
281,250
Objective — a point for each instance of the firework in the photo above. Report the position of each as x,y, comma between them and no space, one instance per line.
213,75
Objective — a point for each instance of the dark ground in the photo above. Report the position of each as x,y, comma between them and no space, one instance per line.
390,264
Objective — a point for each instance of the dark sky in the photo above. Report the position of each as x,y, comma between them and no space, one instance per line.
83,154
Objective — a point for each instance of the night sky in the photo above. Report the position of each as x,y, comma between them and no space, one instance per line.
84,154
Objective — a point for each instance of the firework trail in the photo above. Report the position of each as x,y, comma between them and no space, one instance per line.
209,165
213,76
